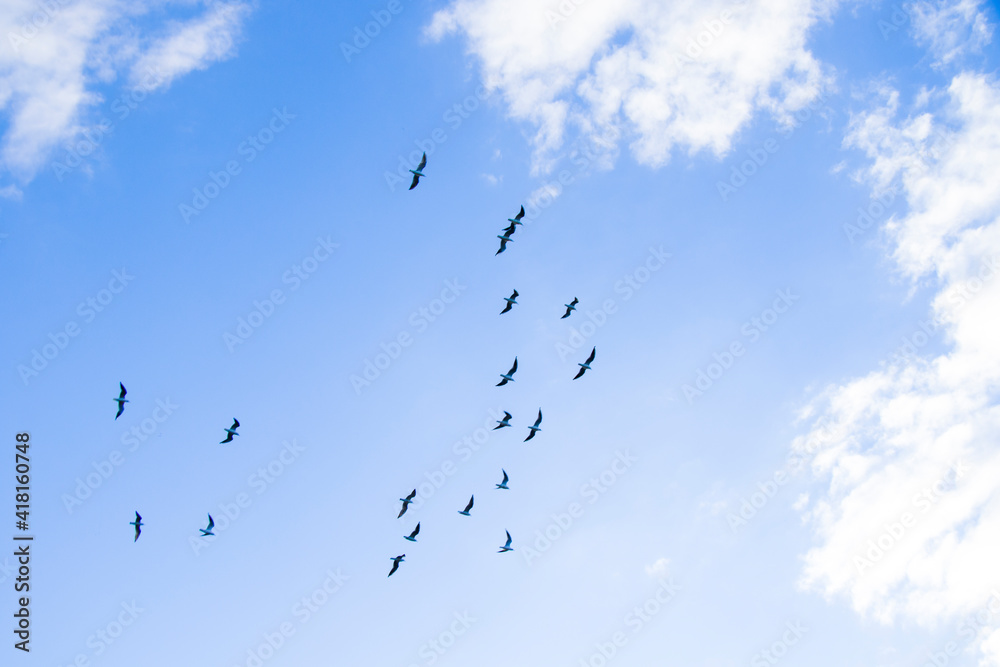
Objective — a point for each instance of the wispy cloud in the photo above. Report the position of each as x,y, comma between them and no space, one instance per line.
662,75
950,29
907,524
53,60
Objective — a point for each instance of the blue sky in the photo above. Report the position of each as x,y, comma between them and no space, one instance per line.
228,238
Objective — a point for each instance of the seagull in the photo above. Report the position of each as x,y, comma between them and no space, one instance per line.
418,172
231,431
503,484
208,531
121,400
517,218
504,422
413,536
406,502
468,507
584,367
570,307
395,563
509,377
535,429
507,233
507,546
138,525
511,301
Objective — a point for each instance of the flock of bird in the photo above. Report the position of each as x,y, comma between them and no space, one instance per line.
505,237
230,432
534,429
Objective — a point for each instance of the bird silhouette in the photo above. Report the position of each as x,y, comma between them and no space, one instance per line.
585,366
419,171
535,429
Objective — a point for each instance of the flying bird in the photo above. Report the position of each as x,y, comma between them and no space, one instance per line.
507,233
535,429
468,507
517,218
509,376
511,300
121,400
413,536
395,563
406,502
570,307
584,367
231,431
138,525
208,531
503,484
419,171
507,546
503,422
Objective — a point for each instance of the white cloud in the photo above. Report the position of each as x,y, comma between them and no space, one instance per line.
911,455
950,28
53,57
663,74
659,570
192,45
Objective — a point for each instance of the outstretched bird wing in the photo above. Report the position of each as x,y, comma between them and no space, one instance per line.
513,368
423,163
236,424
211,522
469,506
123,392
520,214
416,530
539,420
505,478
416,179
581,372
593,353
